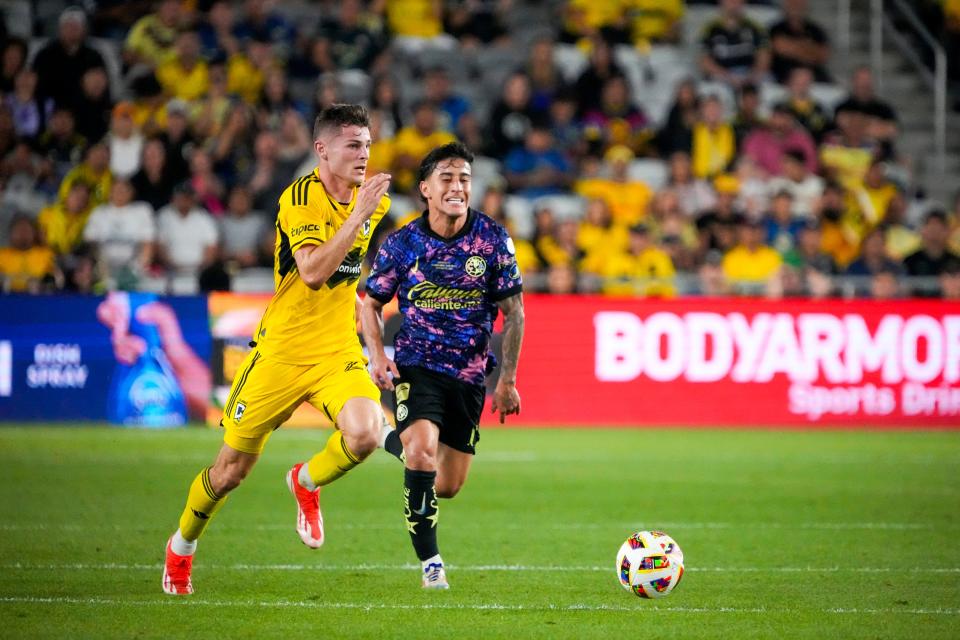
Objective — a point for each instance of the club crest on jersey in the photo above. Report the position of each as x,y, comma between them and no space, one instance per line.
238,412
475,266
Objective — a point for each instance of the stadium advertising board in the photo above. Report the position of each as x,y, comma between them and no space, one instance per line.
133,359
732,362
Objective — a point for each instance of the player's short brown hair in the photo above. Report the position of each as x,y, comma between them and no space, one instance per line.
340,115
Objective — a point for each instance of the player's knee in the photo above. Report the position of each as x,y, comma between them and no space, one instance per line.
362,442
227,478
448,488
419,458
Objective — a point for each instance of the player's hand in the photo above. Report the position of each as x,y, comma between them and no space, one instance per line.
381,370
506,400
369,194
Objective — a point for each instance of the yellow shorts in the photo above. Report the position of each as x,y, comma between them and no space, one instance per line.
265,394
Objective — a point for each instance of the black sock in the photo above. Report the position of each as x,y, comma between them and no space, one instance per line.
420,511
393,446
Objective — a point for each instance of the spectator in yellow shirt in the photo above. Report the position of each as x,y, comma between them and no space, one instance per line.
644,269
247,70
414,142
655,21
875,196
751,265
714,143
598,233
25,265
152,37
94,172
185,75
627,199
61,224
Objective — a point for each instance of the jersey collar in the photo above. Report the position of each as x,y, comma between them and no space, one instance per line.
467,226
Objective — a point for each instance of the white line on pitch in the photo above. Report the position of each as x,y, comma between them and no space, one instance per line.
830,526
449,606
477,567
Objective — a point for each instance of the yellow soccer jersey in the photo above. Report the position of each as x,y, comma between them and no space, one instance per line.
300,325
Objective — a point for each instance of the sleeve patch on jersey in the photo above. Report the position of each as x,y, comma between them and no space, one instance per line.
510,246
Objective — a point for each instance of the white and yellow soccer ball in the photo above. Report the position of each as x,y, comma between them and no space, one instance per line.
650,564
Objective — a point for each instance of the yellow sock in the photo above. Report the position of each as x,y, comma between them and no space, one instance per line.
331,463
202,504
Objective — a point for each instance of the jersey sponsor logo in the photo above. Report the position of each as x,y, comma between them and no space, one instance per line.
402,412
238,412
475,266
427,295
348,270
304,228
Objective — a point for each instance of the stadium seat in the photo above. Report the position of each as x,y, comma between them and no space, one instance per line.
519,212
564,207
828,95
649,170
252,280
18,17
570,60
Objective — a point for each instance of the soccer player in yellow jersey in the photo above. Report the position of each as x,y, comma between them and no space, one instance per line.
306,347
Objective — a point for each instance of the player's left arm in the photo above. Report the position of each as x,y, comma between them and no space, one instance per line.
506,398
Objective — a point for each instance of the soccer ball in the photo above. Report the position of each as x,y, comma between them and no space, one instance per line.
650,564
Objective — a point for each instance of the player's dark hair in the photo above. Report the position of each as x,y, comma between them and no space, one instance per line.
446,152
340,115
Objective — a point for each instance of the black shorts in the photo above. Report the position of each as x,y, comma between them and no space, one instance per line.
453,405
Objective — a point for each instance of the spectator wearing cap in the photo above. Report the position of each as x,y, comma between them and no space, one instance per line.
643,269
805,187
782,228
186,234
125,141
152,38
750,265
797,41
122,233
537,169
766,146
934,256
61,224
414,142
94,172
714,143
185,75
735,48
25,264
62,63
626,199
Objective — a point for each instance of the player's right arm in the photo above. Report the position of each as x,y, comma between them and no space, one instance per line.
317,262
382,285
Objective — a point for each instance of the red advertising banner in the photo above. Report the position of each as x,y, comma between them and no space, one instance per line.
733,362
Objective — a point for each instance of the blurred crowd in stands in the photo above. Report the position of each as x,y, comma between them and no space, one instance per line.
630,148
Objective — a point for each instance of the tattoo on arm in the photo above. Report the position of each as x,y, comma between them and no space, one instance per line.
512,309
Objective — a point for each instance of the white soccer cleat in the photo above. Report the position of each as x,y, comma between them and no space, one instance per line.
434,577
309,518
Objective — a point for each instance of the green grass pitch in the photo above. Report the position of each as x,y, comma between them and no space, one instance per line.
818,534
